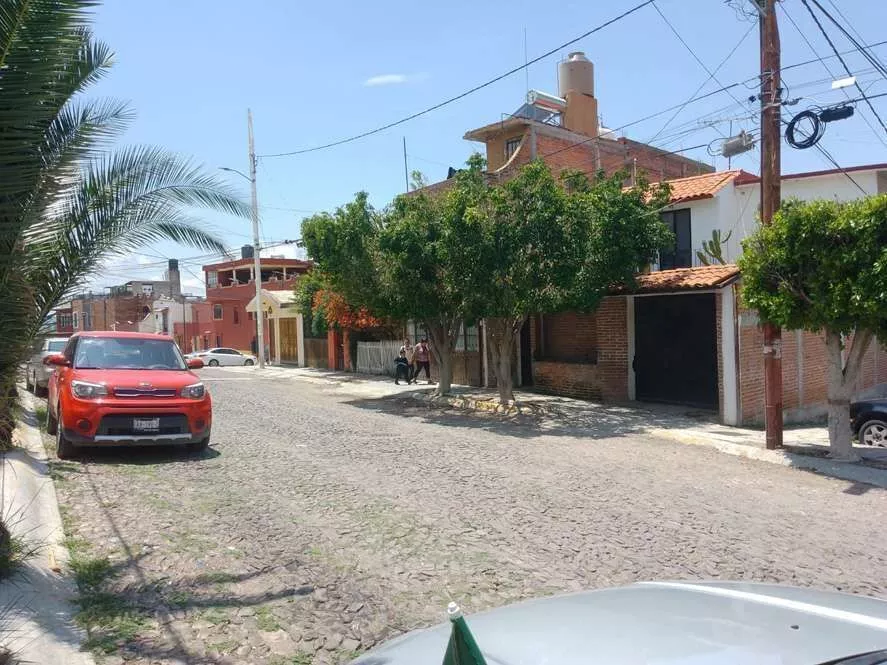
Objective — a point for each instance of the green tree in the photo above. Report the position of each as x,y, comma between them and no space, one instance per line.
821,266
550,245
426,243
66,201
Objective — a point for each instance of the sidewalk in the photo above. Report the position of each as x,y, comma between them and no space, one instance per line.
37,620
805,447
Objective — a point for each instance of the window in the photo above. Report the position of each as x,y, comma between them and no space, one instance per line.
128,353
511,146
467,340
86,321
217,312
76,319
212,279
416,331
218,340
147,289
236,316
682,254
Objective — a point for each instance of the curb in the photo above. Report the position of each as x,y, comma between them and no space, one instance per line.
471,403
840,470
38,599
827,467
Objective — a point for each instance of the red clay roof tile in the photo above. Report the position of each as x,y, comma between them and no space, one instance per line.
686,279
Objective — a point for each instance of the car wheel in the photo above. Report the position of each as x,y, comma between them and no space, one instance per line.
874,433
198,446
213,363
51,423
248,362
64,449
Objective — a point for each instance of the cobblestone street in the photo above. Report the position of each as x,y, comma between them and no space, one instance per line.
323,522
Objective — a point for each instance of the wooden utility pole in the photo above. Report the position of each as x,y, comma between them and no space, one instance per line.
771,176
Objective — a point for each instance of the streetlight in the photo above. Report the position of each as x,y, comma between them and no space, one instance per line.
257,266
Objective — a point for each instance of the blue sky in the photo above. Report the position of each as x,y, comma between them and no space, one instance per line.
191,69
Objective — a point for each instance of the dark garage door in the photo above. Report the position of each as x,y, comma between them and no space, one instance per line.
676,355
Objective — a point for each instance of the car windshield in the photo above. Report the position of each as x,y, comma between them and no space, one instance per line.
57,346
128,353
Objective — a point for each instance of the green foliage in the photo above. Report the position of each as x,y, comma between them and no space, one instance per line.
417,180
713,250
343,246
820,265
66,202
306,289
266,619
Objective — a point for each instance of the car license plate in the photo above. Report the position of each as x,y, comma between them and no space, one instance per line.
146,424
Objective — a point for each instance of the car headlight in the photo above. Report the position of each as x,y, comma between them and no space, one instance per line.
85,390
194,391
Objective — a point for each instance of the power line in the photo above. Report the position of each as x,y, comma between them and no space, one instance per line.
850,25
841,59
859,47
829,57
828,69
462,95
711,75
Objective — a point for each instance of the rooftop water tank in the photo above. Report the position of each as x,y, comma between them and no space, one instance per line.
576,74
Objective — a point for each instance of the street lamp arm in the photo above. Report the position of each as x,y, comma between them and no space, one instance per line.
240,173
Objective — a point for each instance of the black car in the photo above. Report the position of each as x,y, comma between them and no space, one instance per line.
868,418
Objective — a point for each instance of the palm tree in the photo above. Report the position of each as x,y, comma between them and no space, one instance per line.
67,202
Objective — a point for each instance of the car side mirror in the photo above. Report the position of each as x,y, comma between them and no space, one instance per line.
57,359
195,363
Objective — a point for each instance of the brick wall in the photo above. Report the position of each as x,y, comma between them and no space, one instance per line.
568,336
605,380
804,372
612,156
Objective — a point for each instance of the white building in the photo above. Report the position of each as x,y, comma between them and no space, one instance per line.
729,201
164,314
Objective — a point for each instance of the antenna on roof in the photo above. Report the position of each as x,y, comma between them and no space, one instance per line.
526,63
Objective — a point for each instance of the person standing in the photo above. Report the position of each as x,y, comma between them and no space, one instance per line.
423,360
408,351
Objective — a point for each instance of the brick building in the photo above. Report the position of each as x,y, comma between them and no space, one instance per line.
230,289
122,307
682,336
565,132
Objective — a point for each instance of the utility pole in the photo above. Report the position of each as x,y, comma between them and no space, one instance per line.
771,176
257,264
406,173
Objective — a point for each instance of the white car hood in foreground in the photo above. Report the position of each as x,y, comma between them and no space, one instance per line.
663,623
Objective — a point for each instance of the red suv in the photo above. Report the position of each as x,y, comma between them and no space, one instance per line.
117,388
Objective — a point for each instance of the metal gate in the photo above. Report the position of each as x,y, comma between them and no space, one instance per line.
676,353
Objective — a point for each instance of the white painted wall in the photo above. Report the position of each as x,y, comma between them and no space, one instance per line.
735,208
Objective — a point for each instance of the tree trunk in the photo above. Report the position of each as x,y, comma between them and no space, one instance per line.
346,350
841,380
8,399
443,343
502,337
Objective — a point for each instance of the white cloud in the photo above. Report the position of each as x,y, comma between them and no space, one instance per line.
143,260
394,79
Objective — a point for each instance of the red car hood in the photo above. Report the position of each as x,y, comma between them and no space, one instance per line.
135,378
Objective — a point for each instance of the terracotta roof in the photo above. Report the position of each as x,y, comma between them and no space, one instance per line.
686,279
704,186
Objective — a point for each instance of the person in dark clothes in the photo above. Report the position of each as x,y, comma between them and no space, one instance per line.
401,368
423,360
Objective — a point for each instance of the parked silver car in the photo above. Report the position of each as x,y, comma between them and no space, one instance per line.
666,623
223,356
36,373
